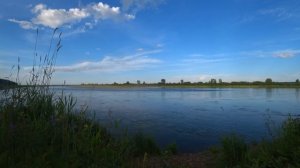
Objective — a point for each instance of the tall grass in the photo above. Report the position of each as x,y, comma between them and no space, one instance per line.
282,151
40,129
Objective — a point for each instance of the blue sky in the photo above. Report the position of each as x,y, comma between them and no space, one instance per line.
129,40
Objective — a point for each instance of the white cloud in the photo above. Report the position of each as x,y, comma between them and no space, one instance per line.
113,64
53,18
104,11
57,17
38,7
23,24
277,14
159,45
203,60
135,5
129,16
280,13
286,53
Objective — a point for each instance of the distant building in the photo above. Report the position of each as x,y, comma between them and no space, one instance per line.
181,81
138,82
163,81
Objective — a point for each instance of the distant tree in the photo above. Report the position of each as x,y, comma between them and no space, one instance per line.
297,81
268,80
187,83
220,81
127,83
138,82
181,81
257,82
213,81
144,83
163,81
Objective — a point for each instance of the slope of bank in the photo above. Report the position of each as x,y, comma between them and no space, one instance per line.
6,83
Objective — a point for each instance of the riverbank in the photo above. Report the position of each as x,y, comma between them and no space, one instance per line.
38,129
120,86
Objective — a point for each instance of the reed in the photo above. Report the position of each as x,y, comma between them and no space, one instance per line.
39,128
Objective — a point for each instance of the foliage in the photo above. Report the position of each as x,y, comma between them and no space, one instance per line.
268,81
282,151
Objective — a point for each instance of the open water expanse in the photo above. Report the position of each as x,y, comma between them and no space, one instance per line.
193,118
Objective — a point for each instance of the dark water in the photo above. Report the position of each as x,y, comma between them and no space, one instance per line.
192,118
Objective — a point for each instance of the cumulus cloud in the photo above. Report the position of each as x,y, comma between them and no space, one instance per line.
53,18
104,11
286,53
57,17
113,64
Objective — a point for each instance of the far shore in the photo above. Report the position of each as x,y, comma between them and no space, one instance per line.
120,86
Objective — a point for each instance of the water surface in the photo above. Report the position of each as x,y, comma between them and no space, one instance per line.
193,118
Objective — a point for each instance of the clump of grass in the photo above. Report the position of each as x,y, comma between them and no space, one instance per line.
233,150
282,151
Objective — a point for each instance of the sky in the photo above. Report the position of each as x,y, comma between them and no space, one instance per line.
110,41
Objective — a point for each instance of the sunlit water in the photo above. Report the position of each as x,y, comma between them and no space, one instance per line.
195,118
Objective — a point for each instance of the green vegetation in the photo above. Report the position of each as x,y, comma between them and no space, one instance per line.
39,128
6,84
282,151
268,83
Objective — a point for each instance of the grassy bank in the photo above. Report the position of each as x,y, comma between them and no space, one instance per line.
282,151
39,129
